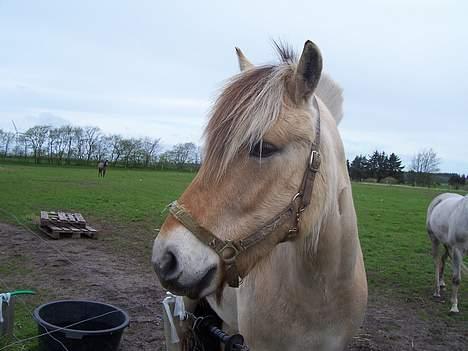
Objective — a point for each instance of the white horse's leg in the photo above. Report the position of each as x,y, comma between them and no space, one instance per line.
456,266
442,267
436,257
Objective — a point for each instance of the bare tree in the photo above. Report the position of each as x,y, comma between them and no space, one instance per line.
103,147
129,149
150,148
182,154
79,141
37,136
5,141
424,164
199,155
426,161
116,147
52,139
68,134
63,134
21,145
92,135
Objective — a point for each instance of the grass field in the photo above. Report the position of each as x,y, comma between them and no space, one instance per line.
391,221
394,239
129,200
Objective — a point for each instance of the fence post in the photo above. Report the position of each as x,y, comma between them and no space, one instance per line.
6,328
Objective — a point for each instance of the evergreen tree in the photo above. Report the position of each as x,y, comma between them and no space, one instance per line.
395,169
358,168
378,165
457,180
382,166
373,165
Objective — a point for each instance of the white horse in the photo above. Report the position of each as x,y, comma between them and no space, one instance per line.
264,208
447,224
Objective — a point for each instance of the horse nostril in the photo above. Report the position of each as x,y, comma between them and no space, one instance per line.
168,265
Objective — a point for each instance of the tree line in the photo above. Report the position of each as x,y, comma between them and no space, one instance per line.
457,181
72,145
376,166
68,145
422,171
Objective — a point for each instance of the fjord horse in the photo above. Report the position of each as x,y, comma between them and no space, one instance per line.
266,232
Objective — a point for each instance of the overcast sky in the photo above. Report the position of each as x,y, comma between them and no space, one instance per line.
152,68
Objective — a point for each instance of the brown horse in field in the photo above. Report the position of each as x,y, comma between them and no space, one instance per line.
102,168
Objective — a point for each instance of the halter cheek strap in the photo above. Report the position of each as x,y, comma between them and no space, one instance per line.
285,224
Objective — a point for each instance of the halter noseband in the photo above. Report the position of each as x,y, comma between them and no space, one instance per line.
230,250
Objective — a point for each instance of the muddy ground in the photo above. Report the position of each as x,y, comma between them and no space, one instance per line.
96,269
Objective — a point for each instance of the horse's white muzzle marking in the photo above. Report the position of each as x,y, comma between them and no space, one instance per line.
184,265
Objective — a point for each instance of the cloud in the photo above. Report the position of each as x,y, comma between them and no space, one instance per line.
47,118
154,67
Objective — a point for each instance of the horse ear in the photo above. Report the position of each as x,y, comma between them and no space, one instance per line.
308,71
244,64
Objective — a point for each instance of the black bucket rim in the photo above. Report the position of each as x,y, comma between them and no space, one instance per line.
51,327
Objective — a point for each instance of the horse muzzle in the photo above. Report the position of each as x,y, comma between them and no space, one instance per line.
179,274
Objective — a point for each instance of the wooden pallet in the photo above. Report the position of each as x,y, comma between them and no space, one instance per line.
75,219
62,224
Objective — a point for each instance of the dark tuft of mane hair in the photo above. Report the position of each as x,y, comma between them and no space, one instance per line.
285,52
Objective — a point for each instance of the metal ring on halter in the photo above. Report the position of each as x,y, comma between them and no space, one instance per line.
229,252
299,194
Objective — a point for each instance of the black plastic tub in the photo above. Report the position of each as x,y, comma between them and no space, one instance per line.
73,323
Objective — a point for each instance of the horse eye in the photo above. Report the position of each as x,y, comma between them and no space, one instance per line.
263,149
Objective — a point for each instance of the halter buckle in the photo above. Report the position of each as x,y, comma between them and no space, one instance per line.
315,160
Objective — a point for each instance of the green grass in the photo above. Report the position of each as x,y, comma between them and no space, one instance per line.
123,196
396,247
391,223
24,326
15,266
126,199
392,231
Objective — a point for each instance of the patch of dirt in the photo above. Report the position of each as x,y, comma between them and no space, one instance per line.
88,269
392,325
95,269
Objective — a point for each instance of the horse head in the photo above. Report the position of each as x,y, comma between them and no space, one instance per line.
258,149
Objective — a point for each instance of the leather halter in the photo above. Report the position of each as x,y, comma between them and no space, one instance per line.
230,250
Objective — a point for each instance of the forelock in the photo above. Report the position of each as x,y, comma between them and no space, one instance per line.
249,105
